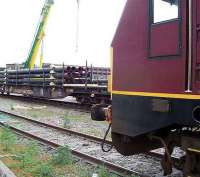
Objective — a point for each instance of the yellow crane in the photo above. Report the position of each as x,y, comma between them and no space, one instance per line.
40,33
38,37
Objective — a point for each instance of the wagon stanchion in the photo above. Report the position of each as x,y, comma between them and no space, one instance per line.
97,76
63,73
7,78
91,75
43,78
86,75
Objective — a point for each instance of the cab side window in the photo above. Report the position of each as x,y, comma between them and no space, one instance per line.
165,10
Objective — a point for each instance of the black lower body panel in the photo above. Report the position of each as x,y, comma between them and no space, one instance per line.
139,115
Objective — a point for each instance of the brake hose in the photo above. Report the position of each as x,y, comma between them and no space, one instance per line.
104,140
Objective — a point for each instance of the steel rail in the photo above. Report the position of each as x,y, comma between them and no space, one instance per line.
64,130
112,167
82,135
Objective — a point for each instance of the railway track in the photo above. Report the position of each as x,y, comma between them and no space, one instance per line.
82,140
64,130
89,145
87,158
67,131
83,146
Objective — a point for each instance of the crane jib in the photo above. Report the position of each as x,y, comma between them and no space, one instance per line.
39,35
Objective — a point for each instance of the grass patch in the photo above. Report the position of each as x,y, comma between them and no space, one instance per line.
27,155
83,172
44,170
62,156
103,172
7,139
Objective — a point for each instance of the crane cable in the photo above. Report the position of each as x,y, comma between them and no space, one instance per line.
77,26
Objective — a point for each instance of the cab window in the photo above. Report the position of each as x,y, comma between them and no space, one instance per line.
165,10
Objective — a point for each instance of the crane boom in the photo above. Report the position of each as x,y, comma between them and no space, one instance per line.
39,35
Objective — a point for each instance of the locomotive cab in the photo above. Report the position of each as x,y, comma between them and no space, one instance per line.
156,78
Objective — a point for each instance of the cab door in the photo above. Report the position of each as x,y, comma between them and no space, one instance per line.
167,49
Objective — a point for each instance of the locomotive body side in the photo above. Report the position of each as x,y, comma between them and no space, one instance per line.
151,75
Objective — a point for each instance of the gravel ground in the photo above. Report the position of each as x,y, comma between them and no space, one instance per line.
73,119
140,163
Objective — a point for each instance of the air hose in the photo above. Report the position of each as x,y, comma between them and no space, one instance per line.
104,140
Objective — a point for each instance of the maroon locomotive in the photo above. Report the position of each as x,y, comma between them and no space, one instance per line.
156,80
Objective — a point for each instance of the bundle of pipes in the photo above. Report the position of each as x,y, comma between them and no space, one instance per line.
57,76
100,81
29,71
36,77
31,80
2,76
82,74
69,74
25,76
100,74
70,69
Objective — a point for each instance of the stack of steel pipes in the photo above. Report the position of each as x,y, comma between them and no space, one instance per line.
71,75
32,77
2,76
57,76
81,75
99,75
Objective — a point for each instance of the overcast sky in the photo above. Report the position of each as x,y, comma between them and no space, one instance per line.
98,22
